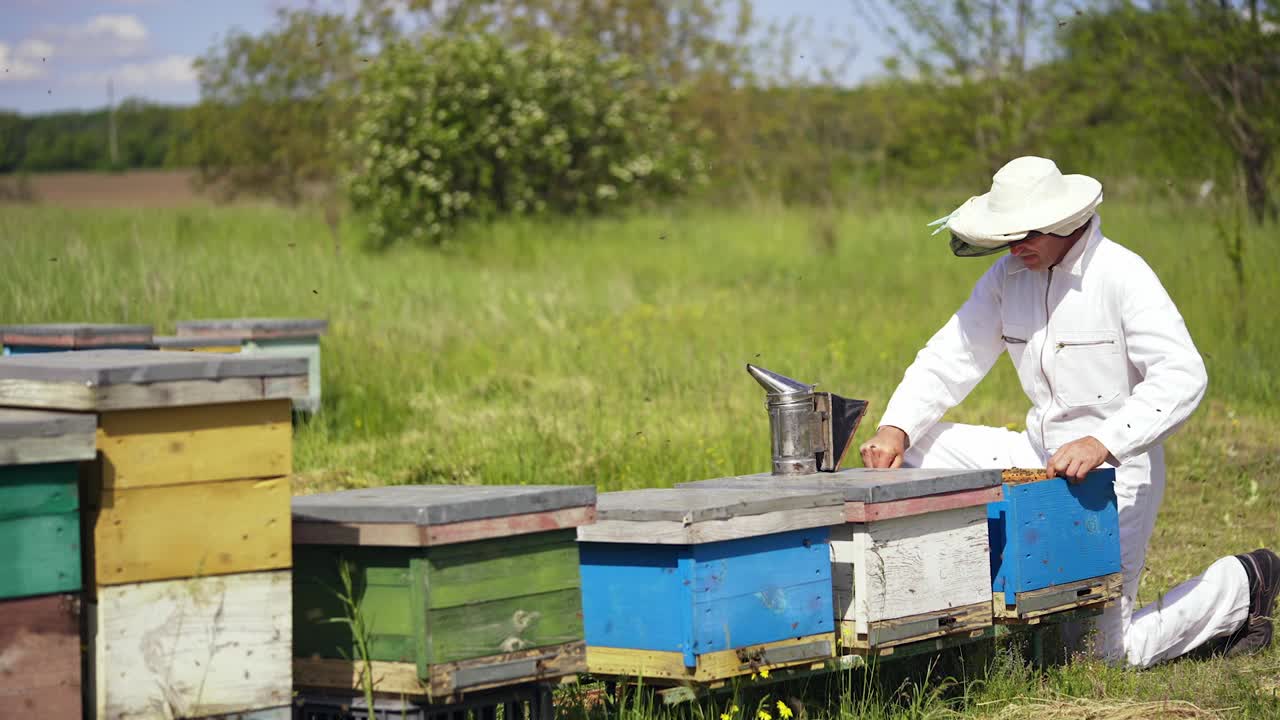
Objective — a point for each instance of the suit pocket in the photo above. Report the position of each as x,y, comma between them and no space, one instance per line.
1087,367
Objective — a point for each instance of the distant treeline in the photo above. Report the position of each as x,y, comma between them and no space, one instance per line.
147,136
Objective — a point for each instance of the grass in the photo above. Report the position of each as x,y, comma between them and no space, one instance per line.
612,352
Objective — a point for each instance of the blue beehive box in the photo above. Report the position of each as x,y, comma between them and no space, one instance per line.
706,584
1055,545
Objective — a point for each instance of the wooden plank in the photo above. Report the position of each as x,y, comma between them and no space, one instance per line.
308,348
72,395
866,485
864,512
41,555
76,335
695,505
192,647
215,528
402,678
503,626
136,367
40,675
45,489
38,436
656,532
626,663
194,444
1090,593
911,565
253,328
438,504
413,535
904,630
503,568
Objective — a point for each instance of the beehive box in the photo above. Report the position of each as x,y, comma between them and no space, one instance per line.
460,589
40,578
172,343
185,507
285,337
704,585
910,559
1055,545
59,337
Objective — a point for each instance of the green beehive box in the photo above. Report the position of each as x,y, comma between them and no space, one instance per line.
457,588
40,500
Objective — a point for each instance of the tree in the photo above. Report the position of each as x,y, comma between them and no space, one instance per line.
1205,68
270,105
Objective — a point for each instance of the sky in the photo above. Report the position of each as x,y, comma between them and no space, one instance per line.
60,54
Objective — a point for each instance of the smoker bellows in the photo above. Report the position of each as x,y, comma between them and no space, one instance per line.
810,430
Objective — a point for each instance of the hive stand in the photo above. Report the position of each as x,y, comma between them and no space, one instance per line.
60,337
528,701
686,587
1055,545
459,589
185,524
910,560
280,337
40,578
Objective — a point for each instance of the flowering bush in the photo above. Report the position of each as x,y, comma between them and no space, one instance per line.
470,127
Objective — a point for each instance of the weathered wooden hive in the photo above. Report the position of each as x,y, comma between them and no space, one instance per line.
1055,545
40,578
61,337
173,343
185,524
910,557
704,585
458,589
283,337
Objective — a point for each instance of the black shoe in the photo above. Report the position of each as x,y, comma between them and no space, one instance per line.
1263,568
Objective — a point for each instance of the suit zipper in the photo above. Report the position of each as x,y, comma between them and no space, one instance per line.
1048,283
1083,343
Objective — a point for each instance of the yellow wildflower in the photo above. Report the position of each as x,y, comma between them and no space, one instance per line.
784,710
763,714
725,716
764,673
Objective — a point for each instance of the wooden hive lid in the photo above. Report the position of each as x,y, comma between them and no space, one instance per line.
869,486
131,379
75,335
709,514
426,505
254,328
39,436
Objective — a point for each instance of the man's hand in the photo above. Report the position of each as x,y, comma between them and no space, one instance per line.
1077,458
885,448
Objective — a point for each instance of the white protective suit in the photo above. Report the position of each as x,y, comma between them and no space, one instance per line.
1101,350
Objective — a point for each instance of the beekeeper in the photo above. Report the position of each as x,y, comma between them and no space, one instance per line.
1111,371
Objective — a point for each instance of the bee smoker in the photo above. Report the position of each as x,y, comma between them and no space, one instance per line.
810,431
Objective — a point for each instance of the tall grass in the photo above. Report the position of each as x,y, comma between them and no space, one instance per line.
612,352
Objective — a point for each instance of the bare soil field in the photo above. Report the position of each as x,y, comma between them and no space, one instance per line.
132,189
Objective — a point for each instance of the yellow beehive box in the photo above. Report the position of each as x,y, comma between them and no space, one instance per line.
194,451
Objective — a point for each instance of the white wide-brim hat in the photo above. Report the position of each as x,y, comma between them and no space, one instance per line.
1028,193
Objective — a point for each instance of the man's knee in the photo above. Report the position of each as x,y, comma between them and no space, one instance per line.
953,445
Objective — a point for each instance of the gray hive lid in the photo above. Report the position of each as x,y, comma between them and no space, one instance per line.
38,436
866,485
427,505
75,335
254,328
103,379
689,516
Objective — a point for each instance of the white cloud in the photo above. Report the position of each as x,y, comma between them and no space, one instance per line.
25,62
162,74
100,37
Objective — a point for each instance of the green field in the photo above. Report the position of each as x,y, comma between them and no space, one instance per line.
612,352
